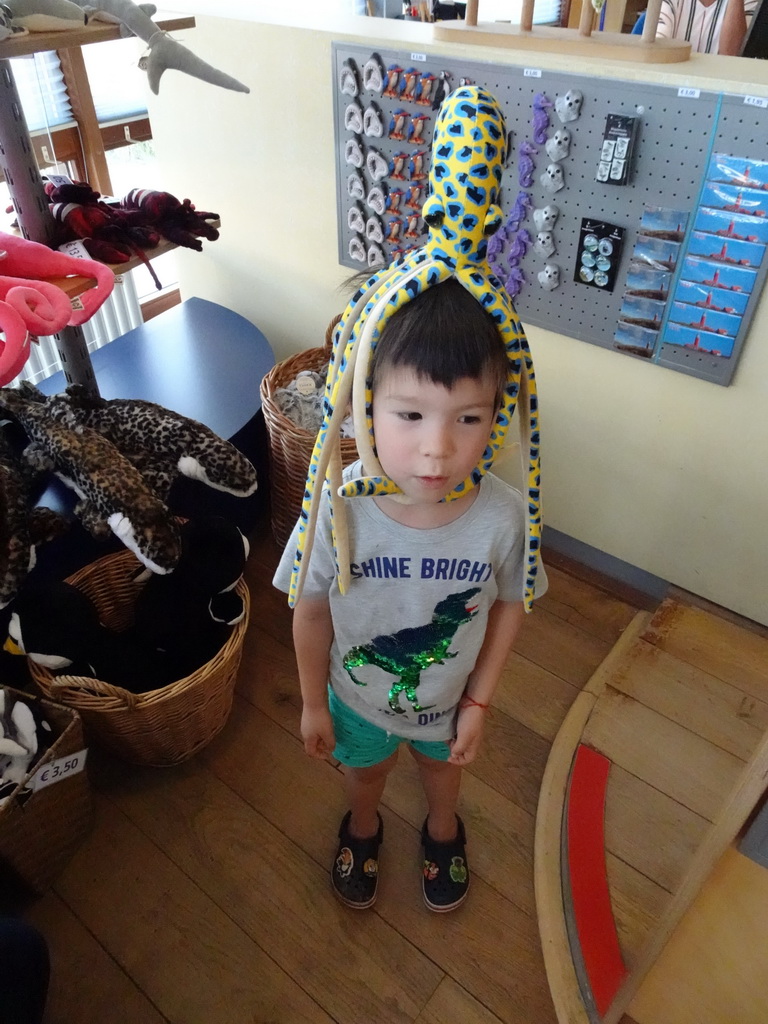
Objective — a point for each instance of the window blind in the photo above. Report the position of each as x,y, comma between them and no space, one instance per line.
118,86
42,91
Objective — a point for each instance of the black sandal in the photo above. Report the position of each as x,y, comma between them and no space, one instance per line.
445,876
355,871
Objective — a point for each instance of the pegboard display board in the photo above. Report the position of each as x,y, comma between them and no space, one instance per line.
648,270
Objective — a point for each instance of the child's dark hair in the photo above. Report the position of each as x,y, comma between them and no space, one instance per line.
443,334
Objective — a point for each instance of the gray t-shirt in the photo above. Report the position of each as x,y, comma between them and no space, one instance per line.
408,631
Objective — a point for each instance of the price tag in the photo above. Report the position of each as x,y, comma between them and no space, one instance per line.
58,769
688,93
531,73
75,248
58,179
756,101
76,303
419,56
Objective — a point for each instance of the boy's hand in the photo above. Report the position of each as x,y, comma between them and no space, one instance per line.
317,732
469,734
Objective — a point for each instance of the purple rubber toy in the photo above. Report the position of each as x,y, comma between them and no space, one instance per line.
540,121
518,248
519,212
514,282
526,166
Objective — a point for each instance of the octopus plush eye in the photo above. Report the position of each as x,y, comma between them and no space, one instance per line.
435,219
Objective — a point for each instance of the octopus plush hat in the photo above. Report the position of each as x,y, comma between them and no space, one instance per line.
468,155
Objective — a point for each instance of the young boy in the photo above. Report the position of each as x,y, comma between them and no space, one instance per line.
414,650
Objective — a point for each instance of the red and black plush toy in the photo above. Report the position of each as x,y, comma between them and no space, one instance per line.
179,222
116,232
108,234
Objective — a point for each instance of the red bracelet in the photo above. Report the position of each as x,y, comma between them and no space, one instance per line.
469,702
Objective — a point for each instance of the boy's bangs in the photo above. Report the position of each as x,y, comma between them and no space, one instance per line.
443,336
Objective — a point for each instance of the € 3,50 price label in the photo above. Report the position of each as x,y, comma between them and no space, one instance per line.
58,769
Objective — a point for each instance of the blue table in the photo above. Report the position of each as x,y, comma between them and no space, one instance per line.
201,360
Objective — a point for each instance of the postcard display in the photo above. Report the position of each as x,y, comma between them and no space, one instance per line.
636,215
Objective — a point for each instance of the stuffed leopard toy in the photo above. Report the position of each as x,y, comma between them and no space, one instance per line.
113,494
159,442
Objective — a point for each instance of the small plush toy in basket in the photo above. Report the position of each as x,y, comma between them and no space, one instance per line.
161,726
48,812
290,446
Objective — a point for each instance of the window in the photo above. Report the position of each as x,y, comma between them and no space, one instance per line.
113,150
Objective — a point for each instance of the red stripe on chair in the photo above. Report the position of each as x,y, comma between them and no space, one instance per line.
592,912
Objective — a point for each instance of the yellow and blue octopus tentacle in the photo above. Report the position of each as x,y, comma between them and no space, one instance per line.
334,410
424,273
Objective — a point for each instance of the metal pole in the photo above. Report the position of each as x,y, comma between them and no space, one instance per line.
17,159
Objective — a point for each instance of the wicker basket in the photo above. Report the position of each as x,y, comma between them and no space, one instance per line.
40,829
290,447
160,727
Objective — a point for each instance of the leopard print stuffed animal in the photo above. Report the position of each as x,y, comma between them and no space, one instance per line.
159,442
113,494
22,527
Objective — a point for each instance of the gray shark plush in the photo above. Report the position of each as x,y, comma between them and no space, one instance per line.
164,52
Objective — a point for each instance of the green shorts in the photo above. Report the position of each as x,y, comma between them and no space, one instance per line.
360,744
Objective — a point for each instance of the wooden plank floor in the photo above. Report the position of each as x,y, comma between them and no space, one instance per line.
202,894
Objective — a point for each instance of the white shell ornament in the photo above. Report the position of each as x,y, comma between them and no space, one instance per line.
549,277
357,249
545,217
348,80
353,153
373,122
568,107
544,243
374,229
356,218
559,145
373,73
553,178
355,185
376,199
353,117
376,165
376,256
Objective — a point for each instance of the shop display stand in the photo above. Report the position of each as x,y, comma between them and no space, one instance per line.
17,159
581,42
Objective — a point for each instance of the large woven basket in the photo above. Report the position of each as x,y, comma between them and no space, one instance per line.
41,828
290,447
160,727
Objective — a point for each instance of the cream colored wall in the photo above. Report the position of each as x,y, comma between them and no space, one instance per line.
653,467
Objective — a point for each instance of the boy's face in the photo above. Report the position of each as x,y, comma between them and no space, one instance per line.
429,438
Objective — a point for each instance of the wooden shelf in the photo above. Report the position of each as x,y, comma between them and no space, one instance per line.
94,32
599,45
74,286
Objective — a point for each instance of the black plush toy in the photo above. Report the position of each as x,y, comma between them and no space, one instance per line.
57,626
188,615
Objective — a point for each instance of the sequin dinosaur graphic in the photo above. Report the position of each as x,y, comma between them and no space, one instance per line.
410,651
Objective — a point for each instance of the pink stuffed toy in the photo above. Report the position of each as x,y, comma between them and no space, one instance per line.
43,307
14,350
38,307
24,259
